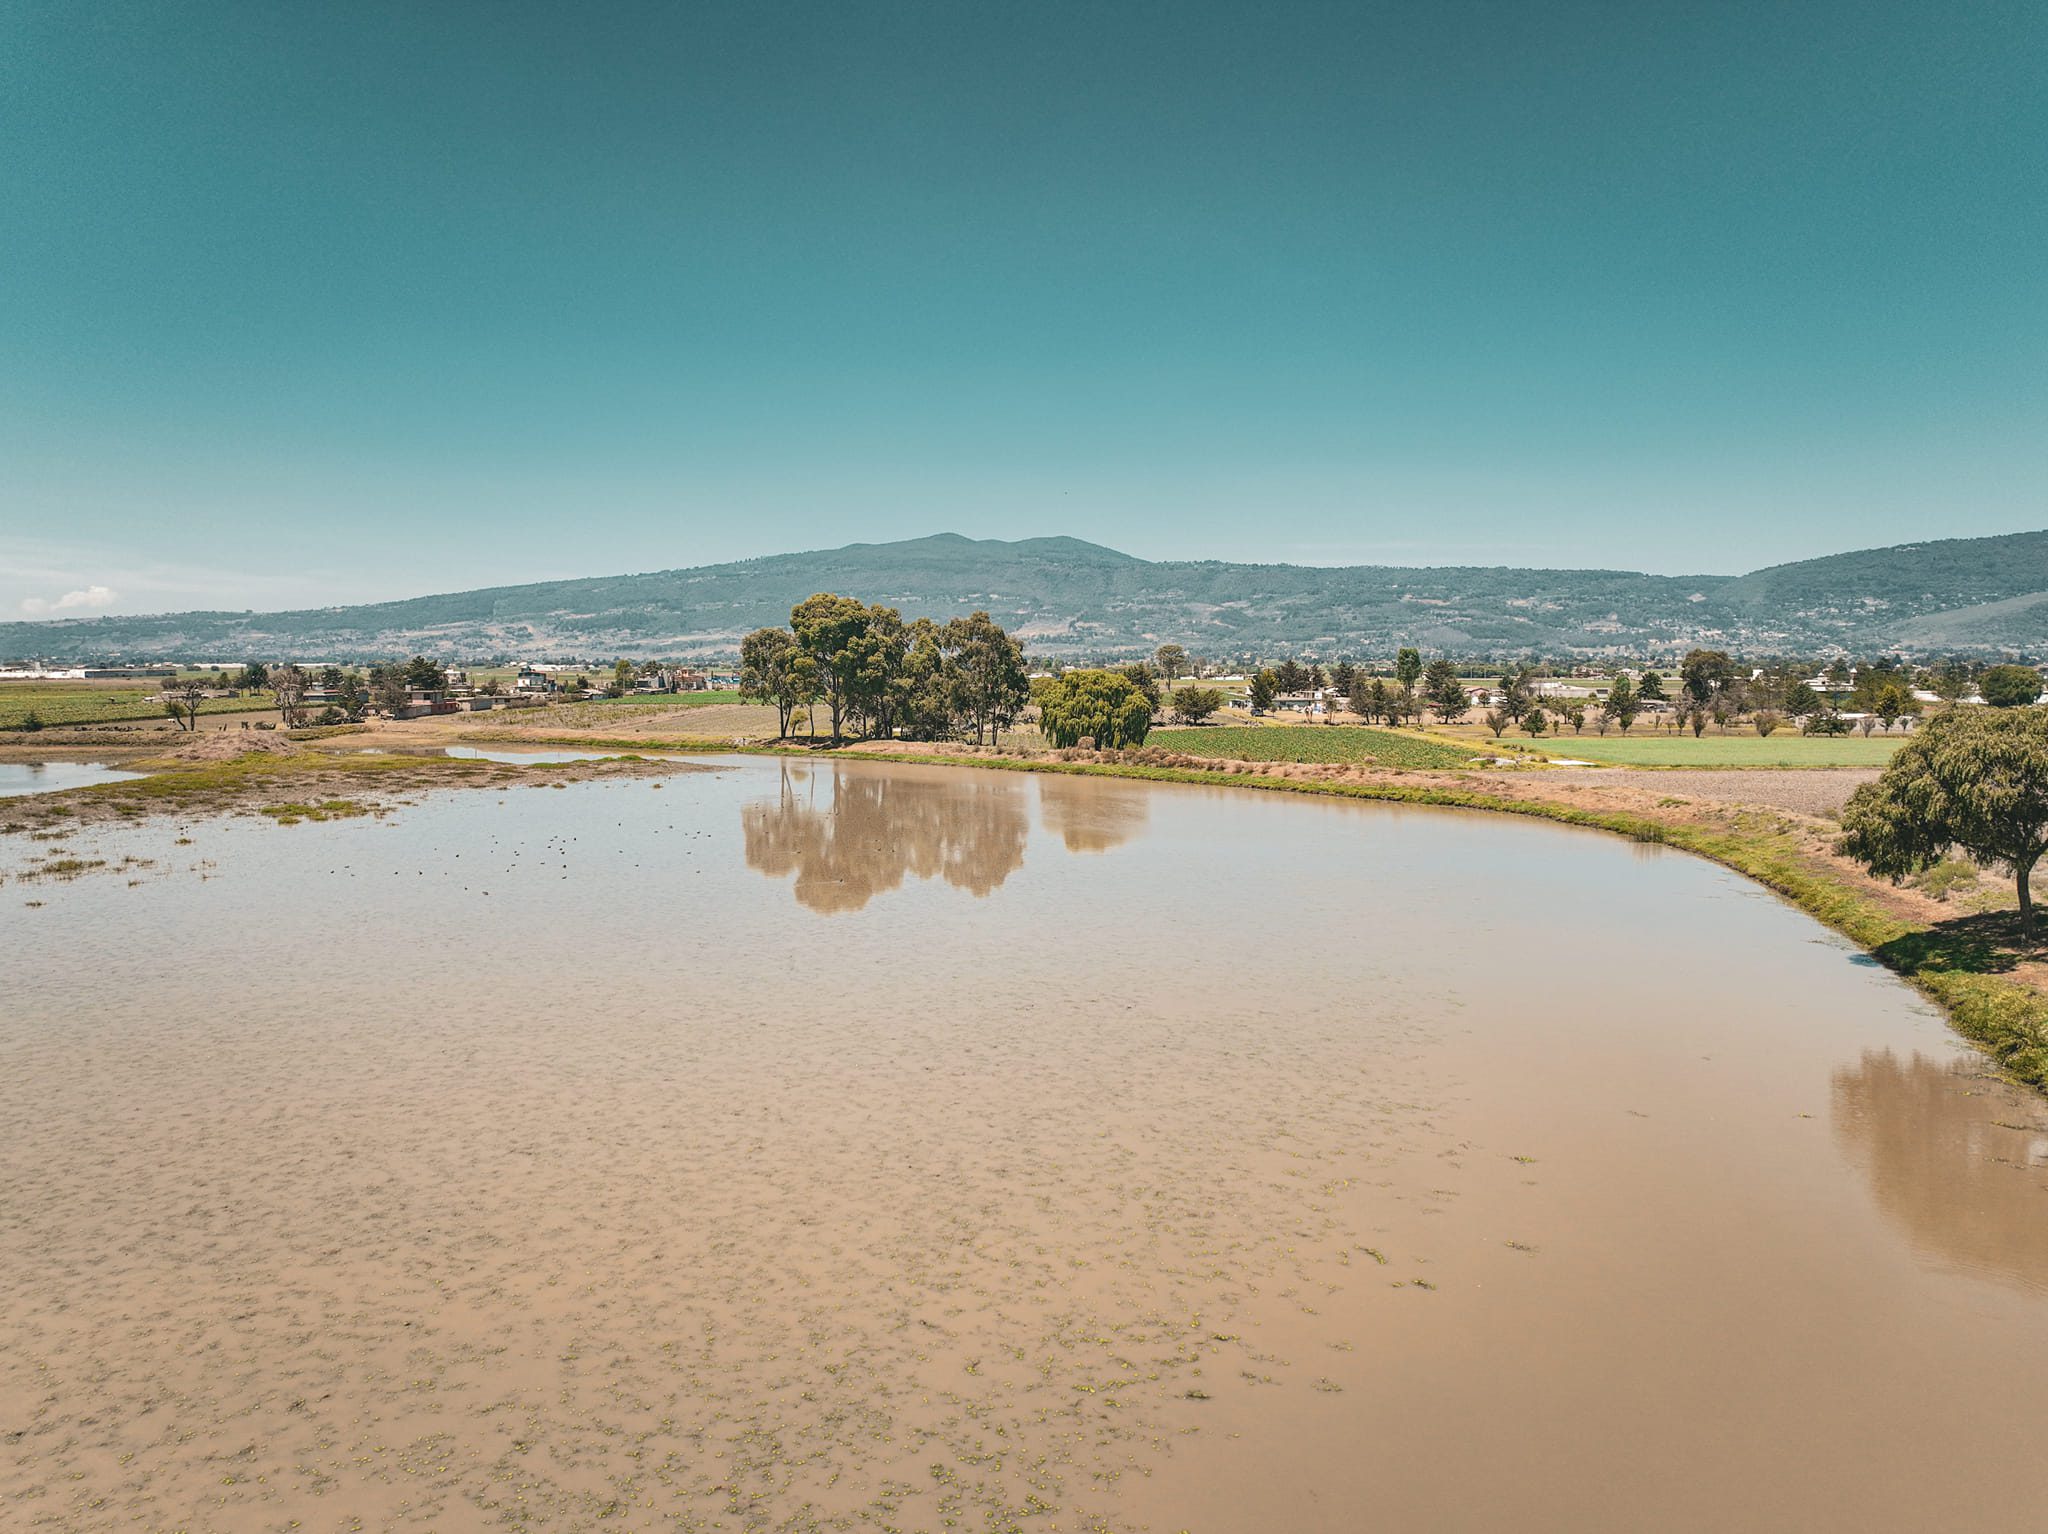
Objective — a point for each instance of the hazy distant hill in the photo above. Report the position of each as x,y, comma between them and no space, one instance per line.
1069,597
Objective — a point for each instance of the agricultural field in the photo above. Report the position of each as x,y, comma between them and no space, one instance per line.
1786,748
59,704
1339,743
664,700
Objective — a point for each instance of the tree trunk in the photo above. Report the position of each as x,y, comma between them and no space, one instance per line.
2025,875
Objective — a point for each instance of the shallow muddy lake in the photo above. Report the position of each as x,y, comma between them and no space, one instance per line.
849,1146
18,778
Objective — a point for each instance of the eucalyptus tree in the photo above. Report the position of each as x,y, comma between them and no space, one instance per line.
775,671
828,629
994,685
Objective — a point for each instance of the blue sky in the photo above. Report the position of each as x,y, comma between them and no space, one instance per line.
323,303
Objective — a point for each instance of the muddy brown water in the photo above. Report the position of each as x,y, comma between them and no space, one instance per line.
869,1147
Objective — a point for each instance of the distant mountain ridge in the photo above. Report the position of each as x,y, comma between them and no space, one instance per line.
1065,596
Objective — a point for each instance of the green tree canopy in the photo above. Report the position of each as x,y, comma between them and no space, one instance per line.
1704,673
1408,667
994,685
1974,779
1444,691
774,670
1621,704
1104,705
1265,688
829,630
1141,676
427,675
2010,686
1191,705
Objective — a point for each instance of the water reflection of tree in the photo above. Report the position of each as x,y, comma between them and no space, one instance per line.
865,833
1090,815
1962,1184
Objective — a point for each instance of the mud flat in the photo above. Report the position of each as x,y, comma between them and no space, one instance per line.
848,1145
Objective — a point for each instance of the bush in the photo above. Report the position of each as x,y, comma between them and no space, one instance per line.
1191,705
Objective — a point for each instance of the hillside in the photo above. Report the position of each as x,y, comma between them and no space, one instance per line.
1066,596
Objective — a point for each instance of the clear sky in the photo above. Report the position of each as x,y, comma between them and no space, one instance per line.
305,303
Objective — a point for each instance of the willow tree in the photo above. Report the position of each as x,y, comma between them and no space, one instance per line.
1103,706
1975,779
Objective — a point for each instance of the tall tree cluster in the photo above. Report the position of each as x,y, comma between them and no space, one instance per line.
879,676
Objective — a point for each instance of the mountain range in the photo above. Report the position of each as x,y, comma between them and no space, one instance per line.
1065,597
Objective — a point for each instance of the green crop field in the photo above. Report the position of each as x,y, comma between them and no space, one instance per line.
1783,749
58,704
1312,743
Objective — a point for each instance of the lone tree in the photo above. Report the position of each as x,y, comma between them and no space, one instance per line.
1703,674
289,683
1972,779
1172,660
1192,705
1446,694
2010,686
1621,704
182,702
1408,667
1103,706
1265,687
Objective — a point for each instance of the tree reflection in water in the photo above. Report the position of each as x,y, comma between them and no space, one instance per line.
1090,815
1948,1162
863,833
